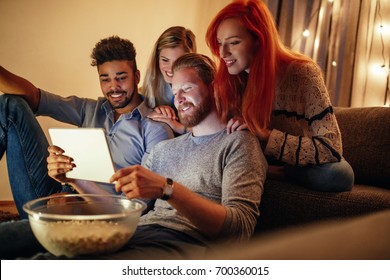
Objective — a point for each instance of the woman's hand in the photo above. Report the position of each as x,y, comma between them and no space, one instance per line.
59,164
236,124
166,111
167,115
138,182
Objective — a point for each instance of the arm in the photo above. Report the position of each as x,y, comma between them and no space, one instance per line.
137,181
154,133
13,84
243,180
313,135
72,109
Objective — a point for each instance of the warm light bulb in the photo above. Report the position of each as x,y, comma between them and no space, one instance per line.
334,63
378,71
383,29
306,33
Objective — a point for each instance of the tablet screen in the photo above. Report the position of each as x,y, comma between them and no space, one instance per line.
89,149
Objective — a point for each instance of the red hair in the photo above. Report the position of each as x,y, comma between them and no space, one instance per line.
250,95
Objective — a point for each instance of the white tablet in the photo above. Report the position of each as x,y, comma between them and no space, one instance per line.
89,149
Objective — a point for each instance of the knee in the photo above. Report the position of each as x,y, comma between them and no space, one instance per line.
11,104
330,177
11,100
335,177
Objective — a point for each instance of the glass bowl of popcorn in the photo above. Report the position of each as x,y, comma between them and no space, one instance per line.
83,224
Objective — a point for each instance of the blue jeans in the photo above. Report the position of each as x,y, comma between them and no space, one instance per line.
329,177
25,144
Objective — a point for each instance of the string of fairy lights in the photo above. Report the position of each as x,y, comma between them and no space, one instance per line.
383,30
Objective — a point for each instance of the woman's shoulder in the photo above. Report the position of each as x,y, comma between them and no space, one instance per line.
298,74
303,68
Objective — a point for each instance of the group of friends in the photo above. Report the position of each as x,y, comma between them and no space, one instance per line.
196,141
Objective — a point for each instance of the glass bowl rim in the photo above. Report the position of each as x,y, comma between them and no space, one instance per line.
64,217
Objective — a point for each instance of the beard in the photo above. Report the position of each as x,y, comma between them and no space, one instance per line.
120,104
199,113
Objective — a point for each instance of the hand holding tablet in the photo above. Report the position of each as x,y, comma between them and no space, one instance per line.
89,149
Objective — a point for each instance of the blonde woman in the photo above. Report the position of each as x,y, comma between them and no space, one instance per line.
172,43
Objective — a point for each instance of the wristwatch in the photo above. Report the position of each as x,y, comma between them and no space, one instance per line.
167,189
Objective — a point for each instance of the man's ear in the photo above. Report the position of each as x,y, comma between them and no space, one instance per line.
137,77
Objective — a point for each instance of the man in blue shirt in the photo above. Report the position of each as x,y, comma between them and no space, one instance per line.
121,112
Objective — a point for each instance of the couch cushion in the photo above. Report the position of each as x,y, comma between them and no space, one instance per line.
285,204
366,143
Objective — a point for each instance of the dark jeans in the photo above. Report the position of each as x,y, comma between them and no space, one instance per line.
148,242
328,177
25,144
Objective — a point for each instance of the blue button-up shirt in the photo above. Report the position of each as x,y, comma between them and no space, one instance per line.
130,138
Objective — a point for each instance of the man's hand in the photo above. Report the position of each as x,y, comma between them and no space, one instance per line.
138,182
59,164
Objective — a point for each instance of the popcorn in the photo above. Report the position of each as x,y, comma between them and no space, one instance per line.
82,237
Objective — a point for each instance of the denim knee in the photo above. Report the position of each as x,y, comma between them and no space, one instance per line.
11,102
329,177
10,105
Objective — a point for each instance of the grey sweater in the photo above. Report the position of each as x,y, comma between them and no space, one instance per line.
228,169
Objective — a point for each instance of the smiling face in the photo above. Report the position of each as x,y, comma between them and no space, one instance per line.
193,98
119,83
166,59
237,46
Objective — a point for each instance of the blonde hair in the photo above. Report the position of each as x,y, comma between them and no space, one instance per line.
154,84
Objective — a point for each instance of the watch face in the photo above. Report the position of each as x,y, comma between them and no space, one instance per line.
168,189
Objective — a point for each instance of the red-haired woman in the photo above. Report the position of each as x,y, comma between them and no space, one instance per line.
279,95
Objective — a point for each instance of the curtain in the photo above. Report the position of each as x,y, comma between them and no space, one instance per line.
371,83
345,39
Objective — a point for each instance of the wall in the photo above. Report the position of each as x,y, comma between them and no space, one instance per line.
49,41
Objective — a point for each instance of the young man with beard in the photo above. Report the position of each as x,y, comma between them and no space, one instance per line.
121,112
207,184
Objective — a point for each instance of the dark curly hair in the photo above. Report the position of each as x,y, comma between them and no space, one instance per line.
113,48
